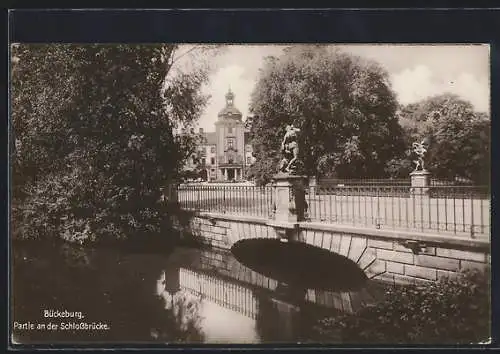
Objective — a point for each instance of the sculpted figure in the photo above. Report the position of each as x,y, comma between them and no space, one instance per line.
420,149
289,149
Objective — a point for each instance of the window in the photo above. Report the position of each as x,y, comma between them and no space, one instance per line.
230,143
249,160
203,162
230,130
212,149
212,161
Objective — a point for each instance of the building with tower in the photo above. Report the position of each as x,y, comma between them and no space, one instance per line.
226,154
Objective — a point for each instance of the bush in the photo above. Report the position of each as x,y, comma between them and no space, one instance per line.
94,129
445,312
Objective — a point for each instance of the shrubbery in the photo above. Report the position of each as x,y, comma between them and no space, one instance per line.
445,312
94,139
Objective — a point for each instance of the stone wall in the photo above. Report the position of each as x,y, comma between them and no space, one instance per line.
391,256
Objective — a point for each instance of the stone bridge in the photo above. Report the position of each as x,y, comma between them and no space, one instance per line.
396,256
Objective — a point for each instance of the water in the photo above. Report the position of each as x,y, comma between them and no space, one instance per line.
259,293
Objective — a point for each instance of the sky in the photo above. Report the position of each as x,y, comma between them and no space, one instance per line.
416,72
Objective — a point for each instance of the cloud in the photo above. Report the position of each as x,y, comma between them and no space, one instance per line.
420,82
474,90
413,84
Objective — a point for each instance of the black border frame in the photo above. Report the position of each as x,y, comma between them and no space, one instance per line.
268,25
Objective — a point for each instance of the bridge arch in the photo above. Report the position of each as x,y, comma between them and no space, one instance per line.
386,255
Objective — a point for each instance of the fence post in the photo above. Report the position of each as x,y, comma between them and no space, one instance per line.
471,214
172,193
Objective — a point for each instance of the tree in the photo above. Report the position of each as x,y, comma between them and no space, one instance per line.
459,136
343,105
94,127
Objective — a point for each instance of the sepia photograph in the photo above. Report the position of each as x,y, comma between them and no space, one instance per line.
188,194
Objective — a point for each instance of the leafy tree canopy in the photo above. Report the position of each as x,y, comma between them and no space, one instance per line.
93,127
343,105
459,136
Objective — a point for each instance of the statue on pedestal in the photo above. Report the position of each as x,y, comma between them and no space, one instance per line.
290,150
420,149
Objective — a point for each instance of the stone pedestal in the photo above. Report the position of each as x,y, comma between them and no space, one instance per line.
172,280
290,197
172,197
420,182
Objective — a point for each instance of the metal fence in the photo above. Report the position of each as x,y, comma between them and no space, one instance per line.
227,199
444,209
333,182
454,210
384,182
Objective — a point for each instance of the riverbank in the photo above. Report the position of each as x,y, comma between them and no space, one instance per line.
450,311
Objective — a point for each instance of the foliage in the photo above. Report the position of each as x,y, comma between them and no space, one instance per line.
400,167
262,169
94,137
343,105
459,137
448,311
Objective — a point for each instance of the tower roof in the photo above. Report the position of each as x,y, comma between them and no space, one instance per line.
229,95
230,111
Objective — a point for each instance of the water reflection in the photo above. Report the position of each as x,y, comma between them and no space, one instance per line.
221,311
186,296
234,303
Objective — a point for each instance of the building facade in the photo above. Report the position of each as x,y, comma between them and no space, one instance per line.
226,154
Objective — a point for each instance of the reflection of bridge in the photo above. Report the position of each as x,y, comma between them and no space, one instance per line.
221,278
216,277
224,293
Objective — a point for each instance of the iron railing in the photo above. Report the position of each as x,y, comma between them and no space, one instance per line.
227,199
384,182
444,209
333,182
454,210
